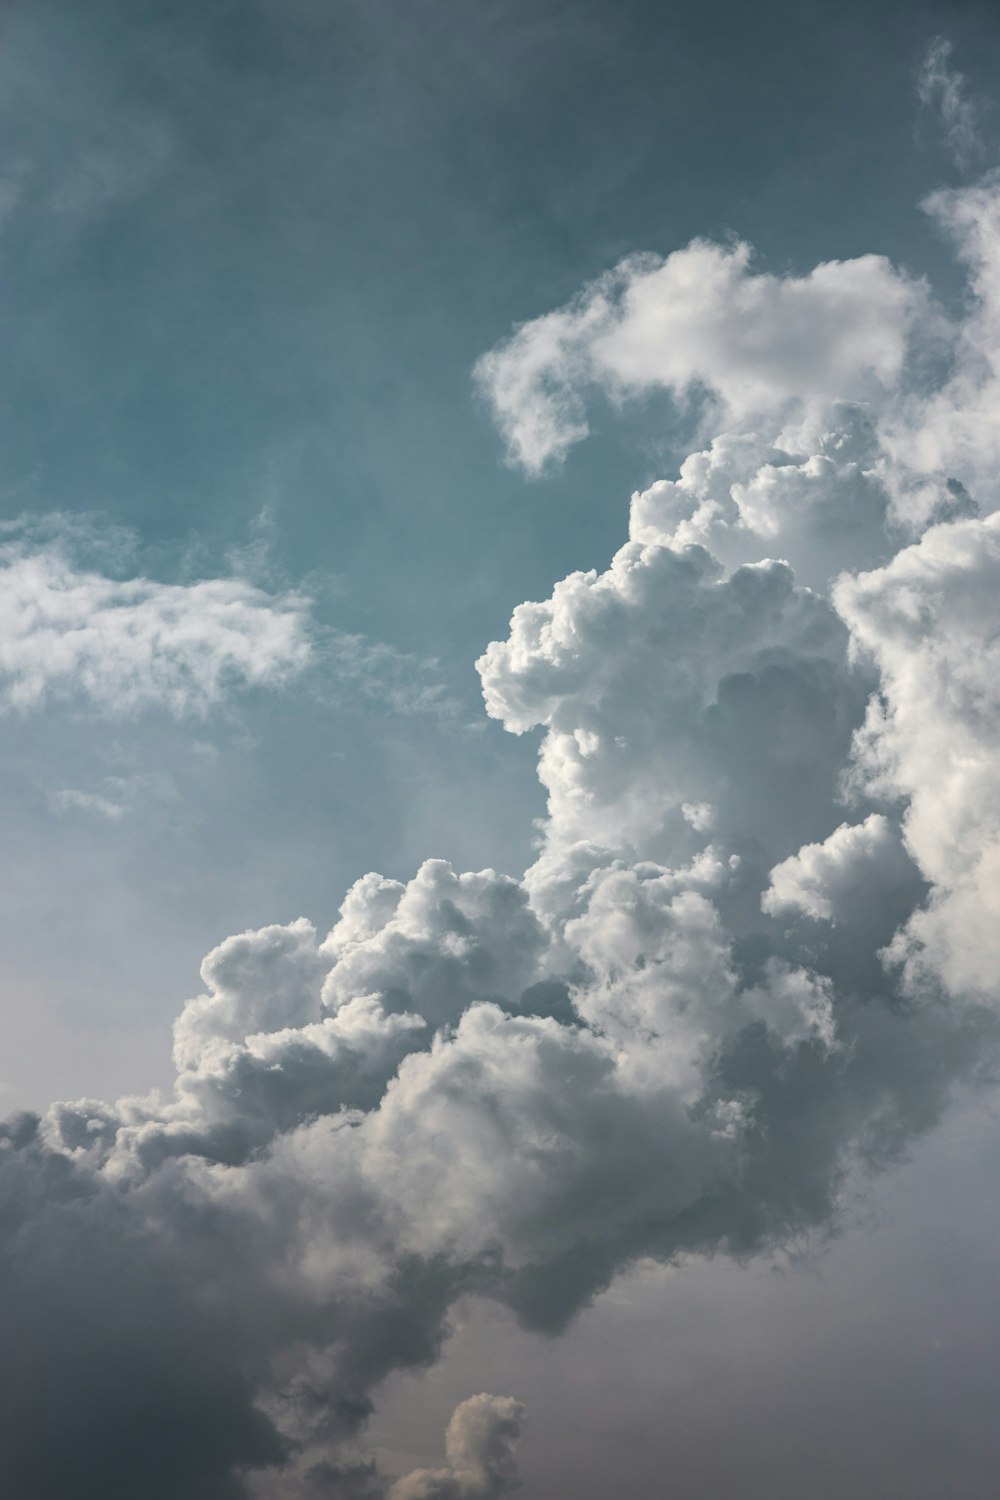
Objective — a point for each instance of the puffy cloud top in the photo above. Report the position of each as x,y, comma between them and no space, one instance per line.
480,1442
701,317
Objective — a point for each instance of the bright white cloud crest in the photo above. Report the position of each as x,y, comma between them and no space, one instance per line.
701,318
759,939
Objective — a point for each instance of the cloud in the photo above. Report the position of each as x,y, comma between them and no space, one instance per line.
700,319
756,949
480,1442
119,796
659,684
929,620
942,442
828,881
817,497
124,645
942,88
79,622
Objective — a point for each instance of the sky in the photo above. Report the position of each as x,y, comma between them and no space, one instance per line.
499,551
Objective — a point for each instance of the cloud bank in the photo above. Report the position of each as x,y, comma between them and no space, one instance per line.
757,948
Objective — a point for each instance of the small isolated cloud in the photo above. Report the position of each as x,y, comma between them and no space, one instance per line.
942,88
125,644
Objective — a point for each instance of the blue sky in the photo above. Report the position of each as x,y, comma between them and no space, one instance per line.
264,267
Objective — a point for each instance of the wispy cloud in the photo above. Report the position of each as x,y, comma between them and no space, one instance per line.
943,89
117,797
69,631
400,681
81,622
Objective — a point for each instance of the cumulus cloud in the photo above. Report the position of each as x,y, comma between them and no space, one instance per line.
479,1445
929,619
702,318
834,880
757,946
126,644
660,683
817,497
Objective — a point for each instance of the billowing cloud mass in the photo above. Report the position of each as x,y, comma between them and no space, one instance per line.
758,945
122,644
702,318
929,620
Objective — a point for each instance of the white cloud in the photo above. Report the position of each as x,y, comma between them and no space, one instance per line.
797,1005
825,880
701,318
931,621
659,684
436,944
480,1442
814,497
949,432
129,644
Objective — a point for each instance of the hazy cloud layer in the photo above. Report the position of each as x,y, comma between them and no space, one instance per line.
758,944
